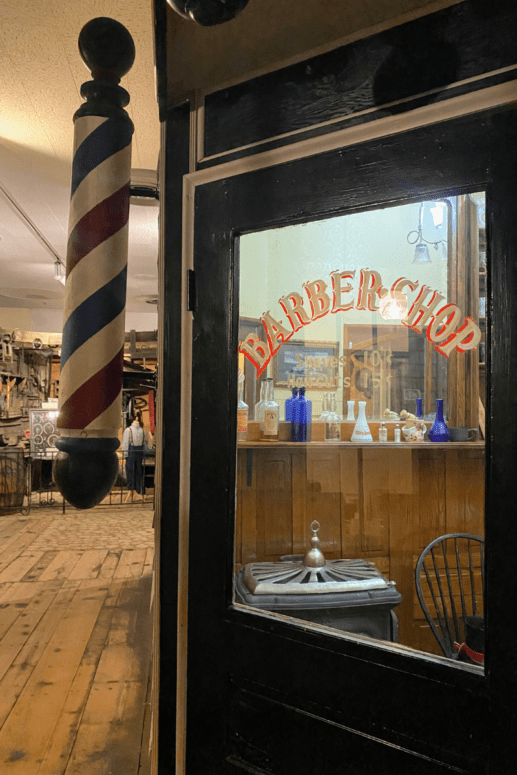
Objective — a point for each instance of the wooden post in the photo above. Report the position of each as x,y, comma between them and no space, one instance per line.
95,293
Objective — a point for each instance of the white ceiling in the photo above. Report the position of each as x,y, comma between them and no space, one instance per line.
41,73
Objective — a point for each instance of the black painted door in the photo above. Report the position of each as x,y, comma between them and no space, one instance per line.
274,693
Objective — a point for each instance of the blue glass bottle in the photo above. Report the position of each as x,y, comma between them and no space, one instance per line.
301,417
439,430
289,405
419,412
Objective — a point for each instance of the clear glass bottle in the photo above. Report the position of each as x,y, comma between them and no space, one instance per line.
333,422
242,413
259,406
396,433
383,432
271,414
324,406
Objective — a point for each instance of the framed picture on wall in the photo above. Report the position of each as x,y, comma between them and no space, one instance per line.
312,360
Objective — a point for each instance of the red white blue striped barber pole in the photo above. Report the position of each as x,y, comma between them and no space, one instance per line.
90,385
90,388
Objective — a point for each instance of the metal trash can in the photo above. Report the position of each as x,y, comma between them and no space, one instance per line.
348,595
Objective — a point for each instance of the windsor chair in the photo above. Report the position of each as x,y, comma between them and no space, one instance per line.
450,584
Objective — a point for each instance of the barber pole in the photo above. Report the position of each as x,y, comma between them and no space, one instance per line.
90,390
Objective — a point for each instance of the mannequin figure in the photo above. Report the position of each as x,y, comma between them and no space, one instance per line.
134,444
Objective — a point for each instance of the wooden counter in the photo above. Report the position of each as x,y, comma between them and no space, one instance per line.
380,501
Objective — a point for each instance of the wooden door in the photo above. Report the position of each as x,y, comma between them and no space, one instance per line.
264,693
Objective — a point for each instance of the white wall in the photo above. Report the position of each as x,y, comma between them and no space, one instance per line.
11,318
51,320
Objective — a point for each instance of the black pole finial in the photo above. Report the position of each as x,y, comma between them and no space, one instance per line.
106,48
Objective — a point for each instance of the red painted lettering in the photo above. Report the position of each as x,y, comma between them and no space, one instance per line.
370,286
466,338
444,323
256,351
420,313
275,332
318,299
292,304
338,288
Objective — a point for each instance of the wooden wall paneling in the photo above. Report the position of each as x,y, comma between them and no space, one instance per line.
454,492
431,496
403,478
473,474
430,522
246,514
351,503
300,518
465,491
375,518
274,503
421,636
324,498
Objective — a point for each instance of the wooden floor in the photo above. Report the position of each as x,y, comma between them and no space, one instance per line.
75,641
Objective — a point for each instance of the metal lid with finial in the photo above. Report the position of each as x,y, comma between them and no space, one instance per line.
312,574
314,557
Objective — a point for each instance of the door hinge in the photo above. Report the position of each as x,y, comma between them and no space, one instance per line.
191,290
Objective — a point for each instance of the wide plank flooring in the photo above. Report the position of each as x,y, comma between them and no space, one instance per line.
75,641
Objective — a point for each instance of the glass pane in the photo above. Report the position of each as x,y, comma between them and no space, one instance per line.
361,424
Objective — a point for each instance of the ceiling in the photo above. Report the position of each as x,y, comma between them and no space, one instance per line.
41,73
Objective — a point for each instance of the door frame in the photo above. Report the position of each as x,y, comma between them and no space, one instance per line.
473,103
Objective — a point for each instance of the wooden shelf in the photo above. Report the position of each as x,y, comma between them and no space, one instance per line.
358,445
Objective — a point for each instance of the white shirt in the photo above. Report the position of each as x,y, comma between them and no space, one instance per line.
134,435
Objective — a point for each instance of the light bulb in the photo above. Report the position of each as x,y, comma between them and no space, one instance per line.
393,306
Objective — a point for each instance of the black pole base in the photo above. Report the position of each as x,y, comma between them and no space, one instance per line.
85,470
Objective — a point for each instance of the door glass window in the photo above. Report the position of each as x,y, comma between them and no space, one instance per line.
361,424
